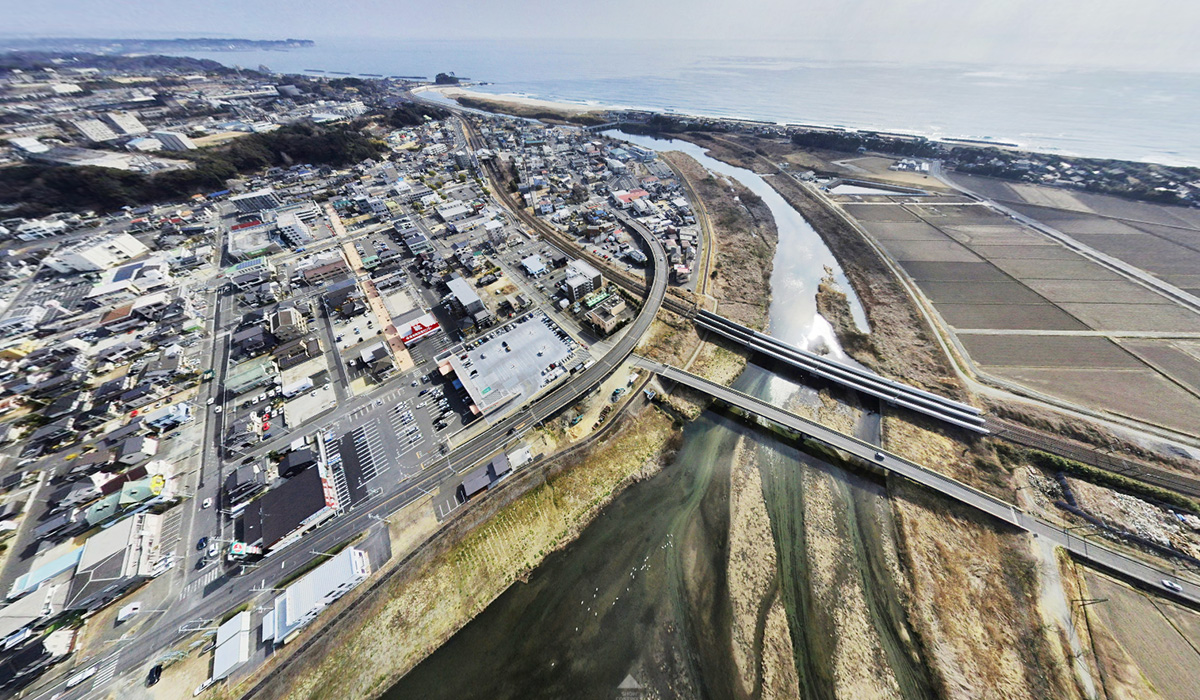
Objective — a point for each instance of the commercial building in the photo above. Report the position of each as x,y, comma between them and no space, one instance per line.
534,267
607,315
517,362
250,273
302,601
288,324
250,375
453,211
485,477
40,228
251,240
115,559
125,123
23,319
465,295
324,273
256,200
412,332
289,510
581,280
94,130
233,645
96,253
173,140
292,229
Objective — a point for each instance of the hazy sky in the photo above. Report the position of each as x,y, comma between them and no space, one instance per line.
1136,34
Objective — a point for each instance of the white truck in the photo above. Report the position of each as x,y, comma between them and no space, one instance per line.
298,387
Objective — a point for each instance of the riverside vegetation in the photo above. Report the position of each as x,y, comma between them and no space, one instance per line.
798,579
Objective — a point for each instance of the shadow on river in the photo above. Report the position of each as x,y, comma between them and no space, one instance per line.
643,591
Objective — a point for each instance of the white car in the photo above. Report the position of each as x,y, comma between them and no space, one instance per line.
207,503
1171,586
212,400
216,409
213,549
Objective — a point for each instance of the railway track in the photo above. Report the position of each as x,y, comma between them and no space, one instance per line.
1106,460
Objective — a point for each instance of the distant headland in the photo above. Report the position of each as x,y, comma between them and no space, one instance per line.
123,46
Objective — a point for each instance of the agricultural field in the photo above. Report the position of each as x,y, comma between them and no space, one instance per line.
1162,240
1030,310
1158,637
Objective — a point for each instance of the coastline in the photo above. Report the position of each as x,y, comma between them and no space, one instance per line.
950,140
455,92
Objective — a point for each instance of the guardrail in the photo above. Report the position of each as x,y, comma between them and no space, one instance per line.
896,393
1145,573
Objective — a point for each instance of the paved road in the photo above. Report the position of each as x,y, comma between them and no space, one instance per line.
1080,546
229,589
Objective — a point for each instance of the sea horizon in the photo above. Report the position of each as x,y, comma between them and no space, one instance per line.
1082,112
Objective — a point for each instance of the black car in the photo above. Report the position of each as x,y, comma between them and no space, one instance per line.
200,545
154,675
201,563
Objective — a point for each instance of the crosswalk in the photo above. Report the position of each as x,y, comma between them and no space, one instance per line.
209,576
105,673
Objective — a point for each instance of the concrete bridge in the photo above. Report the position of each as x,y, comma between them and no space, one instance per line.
869,383
1092,551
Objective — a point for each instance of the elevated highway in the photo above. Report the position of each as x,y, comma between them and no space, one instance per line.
1089,550
896,393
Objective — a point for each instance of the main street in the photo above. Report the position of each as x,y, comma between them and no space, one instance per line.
231,589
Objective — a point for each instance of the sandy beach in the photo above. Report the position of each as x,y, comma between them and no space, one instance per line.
454,92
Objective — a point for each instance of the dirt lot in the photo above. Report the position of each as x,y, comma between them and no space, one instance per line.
1142,394
1048,351
1170,358
984,272
1160,239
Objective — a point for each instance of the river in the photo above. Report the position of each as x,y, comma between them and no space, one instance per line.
642,593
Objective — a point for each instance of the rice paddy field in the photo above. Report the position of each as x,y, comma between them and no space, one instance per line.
1031,310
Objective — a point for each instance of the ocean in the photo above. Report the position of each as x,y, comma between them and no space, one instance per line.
1130,115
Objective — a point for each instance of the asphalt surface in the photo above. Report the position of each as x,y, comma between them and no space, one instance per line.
234,586
1090,550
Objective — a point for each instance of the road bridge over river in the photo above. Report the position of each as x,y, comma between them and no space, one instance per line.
1091,551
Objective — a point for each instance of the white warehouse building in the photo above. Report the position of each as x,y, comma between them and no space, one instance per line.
96,253
301,602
